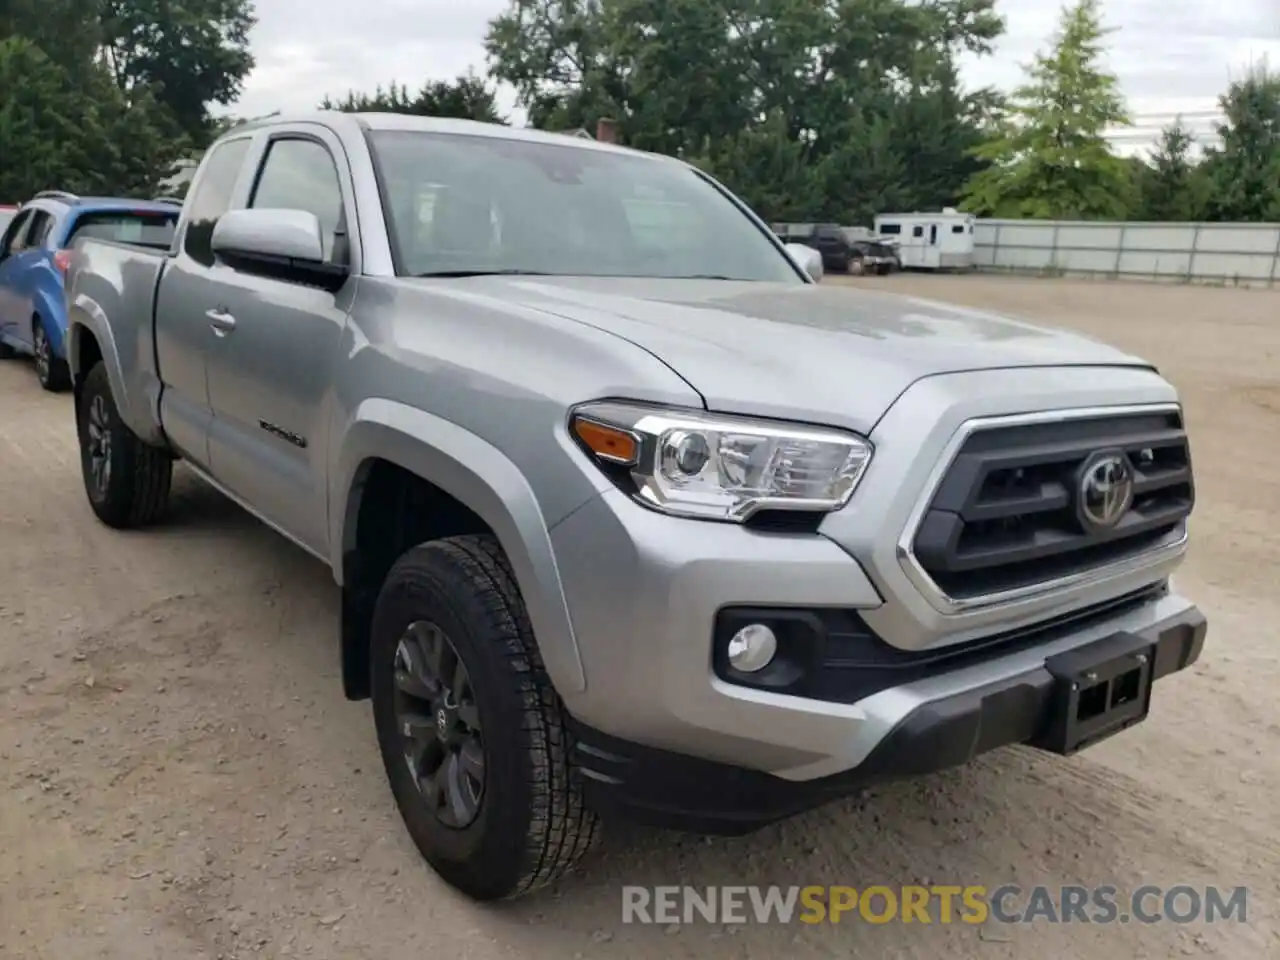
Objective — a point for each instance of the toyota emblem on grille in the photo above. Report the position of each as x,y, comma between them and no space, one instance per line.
1105,490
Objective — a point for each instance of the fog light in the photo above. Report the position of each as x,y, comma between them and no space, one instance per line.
752,648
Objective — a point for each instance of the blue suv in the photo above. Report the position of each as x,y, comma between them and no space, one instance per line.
35,253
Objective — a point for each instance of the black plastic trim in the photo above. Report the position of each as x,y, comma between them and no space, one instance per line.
831,654
680,792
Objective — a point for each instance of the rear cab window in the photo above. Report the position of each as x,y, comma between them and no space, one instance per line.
212,197
144,228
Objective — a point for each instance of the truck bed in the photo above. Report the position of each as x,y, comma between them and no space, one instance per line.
111,280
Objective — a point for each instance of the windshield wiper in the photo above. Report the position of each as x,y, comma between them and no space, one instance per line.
483,273
705,276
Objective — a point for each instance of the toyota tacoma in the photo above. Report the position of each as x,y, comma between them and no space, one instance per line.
628,512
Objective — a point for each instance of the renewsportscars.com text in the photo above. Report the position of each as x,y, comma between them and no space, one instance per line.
940,904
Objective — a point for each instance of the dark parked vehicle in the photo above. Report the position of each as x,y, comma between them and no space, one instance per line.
830,241
873,256
843,255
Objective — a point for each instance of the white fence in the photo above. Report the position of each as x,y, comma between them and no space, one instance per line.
1234,254
1229,254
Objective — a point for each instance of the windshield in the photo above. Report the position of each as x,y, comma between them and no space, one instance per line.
5,216
474,204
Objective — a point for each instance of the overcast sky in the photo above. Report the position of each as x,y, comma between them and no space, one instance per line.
1171,55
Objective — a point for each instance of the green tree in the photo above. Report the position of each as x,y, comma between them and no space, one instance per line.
1052,159
1245,171
190,53
1172,187
394,99
767,169
555,53
58,27
937,129
466,98
807,108
76,131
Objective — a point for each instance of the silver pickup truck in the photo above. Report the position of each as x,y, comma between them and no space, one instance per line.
628,512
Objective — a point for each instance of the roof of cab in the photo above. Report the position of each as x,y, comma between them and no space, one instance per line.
335,119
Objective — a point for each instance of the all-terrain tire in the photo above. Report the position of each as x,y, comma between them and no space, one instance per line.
532,825
51,370
134,491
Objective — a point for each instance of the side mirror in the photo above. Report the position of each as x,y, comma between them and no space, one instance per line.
807,259
283,243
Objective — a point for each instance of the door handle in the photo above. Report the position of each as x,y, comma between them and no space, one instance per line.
220,322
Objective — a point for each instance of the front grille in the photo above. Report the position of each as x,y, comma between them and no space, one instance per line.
1007,513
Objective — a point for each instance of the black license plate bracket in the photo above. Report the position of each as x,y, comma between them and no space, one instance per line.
1099,689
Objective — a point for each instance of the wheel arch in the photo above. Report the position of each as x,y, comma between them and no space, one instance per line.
414,476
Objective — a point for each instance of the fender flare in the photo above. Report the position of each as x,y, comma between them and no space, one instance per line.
85,315
479,476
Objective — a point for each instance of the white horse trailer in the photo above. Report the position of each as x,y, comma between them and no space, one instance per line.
930,241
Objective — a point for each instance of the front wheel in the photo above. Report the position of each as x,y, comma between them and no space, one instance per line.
472,734
127,481
51,370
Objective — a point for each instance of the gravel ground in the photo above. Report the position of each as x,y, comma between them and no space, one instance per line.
182,778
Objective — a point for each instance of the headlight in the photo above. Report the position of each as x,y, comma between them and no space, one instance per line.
697,464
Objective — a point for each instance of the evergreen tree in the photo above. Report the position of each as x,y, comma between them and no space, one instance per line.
1052,160
1173,186
1245,171
74,130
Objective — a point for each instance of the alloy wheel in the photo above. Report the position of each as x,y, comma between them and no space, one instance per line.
44,359
439,725
99,445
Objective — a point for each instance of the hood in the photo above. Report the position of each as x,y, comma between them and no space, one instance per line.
806,351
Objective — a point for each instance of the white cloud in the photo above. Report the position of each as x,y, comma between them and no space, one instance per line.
1172,56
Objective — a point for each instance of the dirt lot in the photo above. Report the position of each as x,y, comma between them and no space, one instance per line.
183,780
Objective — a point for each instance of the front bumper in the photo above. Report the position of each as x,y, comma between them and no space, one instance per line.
646,618
950,724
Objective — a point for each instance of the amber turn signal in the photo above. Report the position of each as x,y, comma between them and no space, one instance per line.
606,442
